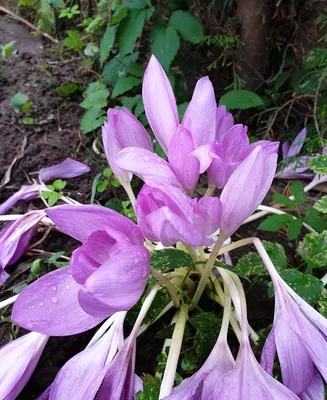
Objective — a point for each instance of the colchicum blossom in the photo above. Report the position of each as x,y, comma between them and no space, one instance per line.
299,336
298,168
107,274
69,168
18,361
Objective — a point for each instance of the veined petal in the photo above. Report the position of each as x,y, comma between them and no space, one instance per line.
269,353
204,155
185,166
26,193
316,390
159,103
211,207
50,306
217,173
69,168
80,222
124,276
235,142
200,115
297,144
82,265
224,123
18,361
285,148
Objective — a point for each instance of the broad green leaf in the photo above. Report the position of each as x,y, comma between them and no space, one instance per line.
102,186
164,44
47,20
69,89
187,26
189,363
139,109
95,87
322,305
315,219
18,101
28,121
168,259
313,249
92,120
240,100
27,106
130,102
107,43
148,393
117,67
252,264
319,164
139,4
136,70
96,100
275,222
130,30
285,201
124,84
321,205
91,50
107,172
74,41
294,228
6,49
119,14
297,191
59,184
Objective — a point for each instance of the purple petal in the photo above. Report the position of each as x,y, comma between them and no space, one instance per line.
316,390
200,115
217,173
18,361
297,144
148,166
81,221
16,237
82,265
159,103
184,165
50,306
124,276
203,154
3,276
281,175
26,193
211,209
111,148
69,168
269,353
224,123
285,148
235,142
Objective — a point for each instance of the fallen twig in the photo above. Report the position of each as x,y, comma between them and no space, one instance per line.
7,175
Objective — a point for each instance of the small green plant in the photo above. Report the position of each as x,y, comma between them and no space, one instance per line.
69,12
6,49
55,192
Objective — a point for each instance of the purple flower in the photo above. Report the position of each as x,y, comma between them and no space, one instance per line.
112,259
224,123
16,237
18,361
299,336
26,193
296,169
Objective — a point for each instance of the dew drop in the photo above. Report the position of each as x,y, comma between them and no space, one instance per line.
145,158
41,304
161,170
54,288
67,287
54,299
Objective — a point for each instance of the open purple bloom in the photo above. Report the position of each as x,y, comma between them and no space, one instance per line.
112,259
69,168
16,237
18,361
298,168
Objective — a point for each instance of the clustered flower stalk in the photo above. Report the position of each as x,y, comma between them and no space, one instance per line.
109,272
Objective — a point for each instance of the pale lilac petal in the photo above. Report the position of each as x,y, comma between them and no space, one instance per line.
80,222
69,168
316,390
159,103
203,154
211,209
25,193
3,276
82,265
235,141
185,166
18,361
117,284
148,166
285,148
217,173
16,236
281,175
269,353
267,147
50,306
297,144
111,148
224,123
200,115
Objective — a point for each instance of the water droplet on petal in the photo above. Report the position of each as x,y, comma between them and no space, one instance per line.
161,170
41,304
54,288
67,287
145,158
54,299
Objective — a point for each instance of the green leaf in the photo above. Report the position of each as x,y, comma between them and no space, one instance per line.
313,249
102,186
117,67
6,49
27,106
136,70
124,84
27,3
95,87
297,191
140,4
322,305
240,100
96,99
119,14
168,259
130,30
315,219
294,229
28,121
181,109
139,109
53,197
189,363
115,181
149,393
59,184
275,222
318,164
164,44
285,201
321,205
47,20
106,43
187,26
91,50
69,89
94,187
107,172
74,41
92,120
252,264
18,101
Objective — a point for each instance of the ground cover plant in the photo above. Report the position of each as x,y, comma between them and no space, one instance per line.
183,255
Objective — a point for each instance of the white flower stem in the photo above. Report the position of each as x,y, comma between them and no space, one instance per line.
174,352
104,327
209,191
324,279
130,193
8,302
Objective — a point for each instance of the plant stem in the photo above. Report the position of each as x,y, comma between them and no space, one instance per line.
236,245
169,286
191,251
8,302
210,190
130,193
174,352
